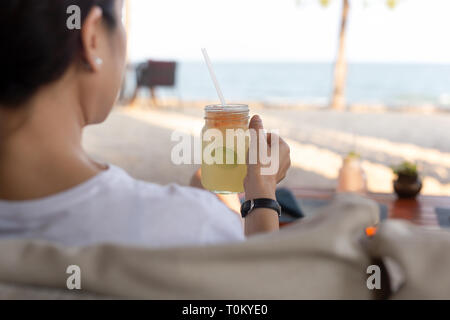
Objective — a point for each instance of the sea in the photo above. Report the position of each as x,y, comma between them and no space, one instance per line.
392,85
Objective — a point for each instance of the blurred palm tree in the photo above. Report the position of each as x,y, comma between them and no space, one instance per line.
338,100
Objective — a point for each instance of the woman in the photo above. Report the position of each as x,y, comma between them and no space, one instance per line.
56,81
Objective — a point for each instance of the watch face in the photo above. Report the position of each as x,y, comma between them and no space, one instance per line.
248,206
245,208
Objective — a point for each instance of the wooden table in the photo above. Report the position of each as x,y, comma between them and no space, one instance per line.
421,211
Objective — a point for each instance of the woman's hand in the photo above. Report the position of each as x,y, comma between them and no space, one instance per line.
256,184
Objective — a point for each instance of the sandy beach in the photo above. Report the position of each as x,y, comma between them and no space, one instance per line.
138,139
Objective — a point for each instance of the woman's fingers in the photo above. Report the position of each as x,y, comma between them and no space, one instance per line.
285,159
283,155
256,183
256,123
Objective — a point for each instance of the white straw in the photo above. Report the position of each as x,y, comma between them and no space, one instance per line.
213,77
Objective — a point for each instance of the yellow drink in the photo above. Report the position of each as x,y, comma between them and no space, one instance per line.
224,165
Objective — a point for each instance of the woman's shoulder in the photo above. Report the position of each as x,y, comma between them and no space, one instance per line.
129,210
118,178
178,207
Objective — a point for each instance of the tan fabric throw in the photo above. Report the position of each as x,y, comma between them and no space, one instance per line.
421,258
318,258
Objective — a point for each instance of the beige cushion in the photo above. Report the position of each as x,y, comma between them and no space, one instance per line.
318,258
419,259
15,292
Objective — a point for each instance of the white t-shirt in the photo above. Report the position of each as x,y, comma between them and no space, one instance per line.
113,207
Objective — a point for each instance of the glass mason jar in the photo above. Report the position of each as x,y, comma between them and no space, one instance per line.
225,143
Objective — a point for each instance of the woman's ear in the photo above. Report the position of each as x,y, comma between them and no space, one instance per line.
90,37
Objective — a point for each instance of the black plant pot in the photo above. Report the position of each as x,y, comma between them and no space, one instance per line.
407,186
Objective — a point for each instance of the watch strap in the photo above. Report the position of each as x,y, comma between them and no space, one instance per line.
249,206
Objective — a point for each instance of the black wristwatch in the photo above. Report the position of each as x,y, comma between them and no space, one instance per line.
249,206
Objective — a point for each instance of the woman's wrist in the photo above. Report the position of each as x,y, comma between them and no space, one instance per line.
260,189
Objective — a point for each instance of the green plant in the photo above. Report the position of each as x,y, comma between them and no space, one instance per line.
406,168
353,154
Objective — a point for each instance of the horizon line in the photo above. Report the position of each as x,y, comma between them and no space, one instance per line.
248,61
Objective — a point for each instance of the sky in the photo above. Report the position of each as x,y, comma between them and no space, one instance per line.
416,31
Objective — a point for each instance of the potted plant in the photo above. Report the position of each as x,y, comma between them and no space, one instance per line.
408,183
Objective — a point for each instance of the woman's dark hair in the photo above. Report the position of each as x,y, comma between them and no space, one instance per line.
37,46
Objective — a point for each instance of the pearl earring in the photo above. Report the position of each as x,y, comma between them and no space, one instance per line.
99,61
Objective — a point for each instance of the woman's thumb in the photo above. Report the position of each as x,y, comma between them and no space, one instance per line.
256,123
